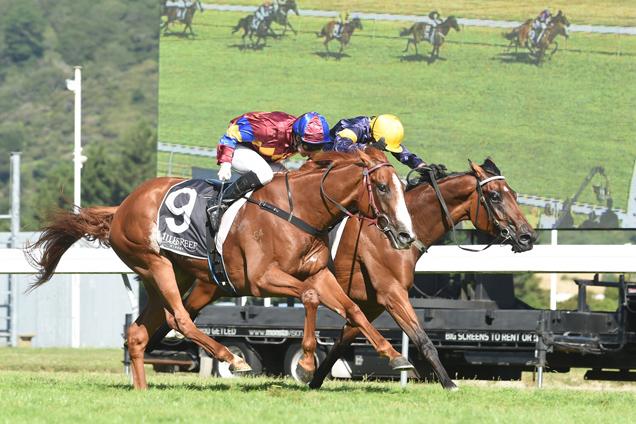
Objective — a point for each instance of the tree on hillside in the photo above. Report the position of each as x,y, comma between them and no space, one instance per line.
108,177
24,32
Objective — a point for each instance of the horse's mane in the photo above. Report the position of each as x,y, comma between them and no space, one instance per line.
488,166
323,159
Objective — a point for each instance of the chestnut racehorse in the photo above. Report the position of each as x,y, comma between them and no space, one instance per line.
264,255
388,274
436,39
520,36
549,38
346,33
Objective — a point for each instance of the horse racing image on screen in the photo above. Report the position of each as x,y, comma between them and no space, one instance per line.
548,96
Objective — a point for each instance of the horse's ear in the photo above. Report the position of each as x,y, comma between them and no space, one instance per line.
481,174
374,154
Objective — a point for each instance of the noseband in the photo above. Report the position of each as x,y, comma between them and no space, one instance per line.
366,181
504,232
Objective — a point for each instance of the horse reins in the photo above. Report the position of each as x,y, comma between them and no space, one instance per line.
289,217
366,181
504,233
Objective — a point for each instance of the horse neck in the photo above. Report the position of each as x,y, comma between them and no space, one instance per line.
429,219
343,185
553,34
445,27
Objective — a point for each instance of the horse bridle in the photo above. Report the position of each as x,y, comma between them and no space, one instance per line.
299,223
366,181
504,232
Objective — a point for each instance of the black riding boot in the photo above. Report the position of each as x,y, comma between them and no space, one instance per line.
247,182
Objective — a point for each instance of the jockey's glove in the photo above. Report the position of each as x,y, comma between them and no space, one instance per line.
225,173
439,170
380,144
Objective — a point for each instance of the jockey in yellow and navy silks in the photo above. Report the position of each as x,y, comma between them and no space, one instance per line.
384,132
256,143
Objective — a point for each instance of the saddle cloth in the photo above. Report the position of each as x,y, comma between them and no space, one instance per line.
182,217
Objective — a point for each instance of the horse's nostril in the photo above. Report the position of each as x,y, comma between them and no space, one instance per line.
525,238
405,238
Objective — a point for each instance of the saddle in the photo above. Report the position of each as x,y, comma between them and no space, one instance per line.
183,225
337,30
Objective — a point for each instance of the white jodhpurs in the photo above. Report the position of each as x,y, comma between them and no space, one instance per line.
246,159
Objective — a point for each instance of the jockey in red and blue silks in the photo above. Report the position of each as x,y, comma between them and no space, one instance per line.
256,143
352,133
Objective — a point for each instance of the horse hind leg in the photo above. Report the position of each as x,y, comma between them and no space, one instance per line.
161,275
137,337
344,340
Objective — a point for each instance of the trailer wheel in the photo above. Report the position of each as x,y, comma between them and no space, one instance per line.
244,351
295,354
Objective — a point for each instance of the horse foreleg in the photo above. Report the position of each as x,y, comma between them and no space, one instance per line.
332,296
398,306
408,44
556,47
306,366
292,28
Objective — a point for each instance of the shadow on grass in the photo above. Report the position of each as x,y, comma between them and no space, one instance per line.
186,35
258,385
523,58
248,47
420,58
327,55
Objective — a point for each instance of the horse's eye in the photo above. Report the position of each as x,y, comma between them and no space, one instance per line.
495,196
382,188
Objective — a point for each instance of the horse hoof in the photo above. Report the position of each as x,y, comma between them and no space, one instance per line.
401,364
240,366
303,375
452,388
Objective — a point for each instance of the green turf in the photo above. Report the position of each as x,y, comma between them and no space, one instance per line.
545,126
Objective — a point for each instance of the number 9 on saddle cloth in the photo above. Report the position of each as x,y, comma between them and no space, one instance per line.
183,227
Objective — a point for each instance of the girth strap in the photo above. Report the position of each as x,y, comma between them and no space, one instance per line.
288,216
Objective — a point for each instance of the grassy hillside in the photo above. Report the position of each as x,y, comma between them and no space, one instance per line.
116,43
545,126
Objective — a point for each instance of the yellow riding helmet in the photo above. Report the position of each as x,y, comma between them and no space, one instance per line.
389,127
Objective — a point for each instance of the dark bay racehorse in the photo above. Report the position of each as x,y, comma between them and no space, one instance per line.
346,33
264,255
183,15
481,196
388,274
520,36
281,15
252,26
437,37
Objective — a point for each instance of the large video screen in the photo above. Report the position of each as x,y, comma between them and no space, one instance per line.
559,123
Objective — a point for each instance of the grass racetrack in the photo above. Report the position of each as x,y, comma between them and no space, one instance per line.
545,126
88,385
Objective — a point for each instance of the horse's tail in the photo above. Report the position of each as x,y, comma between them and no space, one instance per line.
63,228
510,36
407,31
241,24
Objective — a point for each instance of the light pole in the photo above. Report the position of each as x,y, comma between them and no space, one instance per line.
76,86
